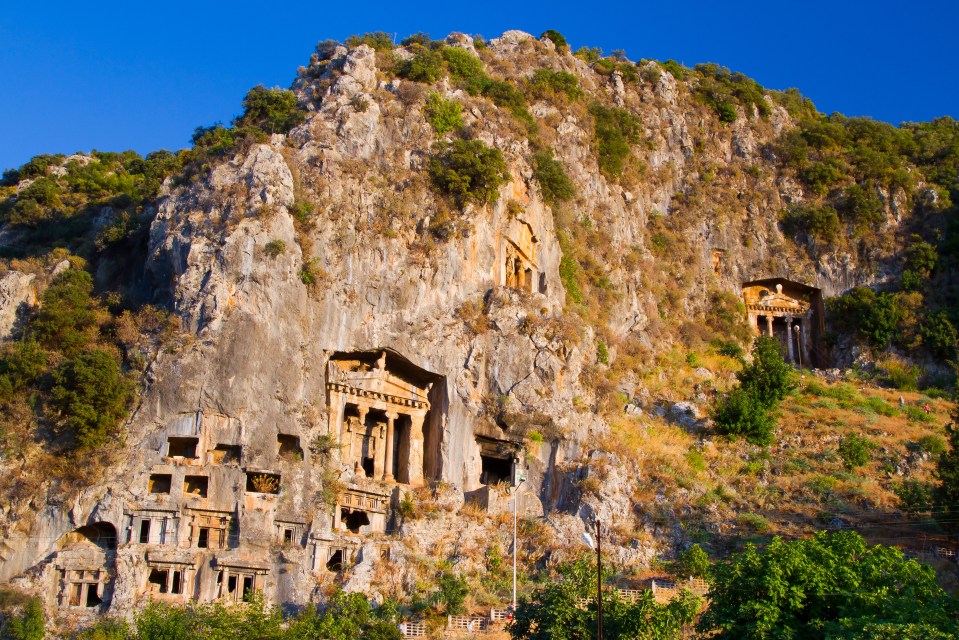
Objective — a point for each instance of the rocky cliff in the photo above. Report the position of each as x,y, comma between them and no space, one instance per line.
369,362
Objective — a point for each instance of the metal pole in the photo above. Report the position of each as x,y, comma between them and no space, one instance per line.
515,487
599,584
799,340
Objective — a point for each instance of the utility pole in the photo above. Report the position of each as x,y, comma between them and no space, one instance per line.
599,584
518,477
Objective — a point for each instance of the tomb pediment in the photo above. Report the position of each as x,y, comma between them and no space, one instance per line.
375,381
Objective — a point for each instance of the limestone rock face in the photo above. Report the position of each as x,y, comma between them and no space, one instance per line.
388,342
17,295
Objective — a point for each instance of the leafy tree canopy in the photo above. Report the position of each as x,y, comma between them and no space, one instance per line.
834,585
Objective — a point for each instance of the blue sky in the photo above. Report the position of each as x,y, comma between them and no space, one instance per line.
115,76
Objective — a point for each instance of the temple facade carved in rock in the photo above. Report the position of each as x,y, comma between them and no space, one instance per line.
790,312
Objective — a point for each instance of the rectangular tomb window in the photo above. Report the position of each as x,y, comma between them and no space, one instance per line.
288,447
183,447
177,584
288,536
210,531
158,580
160,482
226,454
239,585
195,486
144,531
83,589
262,482
495,470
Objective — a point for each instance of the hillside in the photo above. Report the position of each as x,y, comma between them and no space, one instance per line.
314,350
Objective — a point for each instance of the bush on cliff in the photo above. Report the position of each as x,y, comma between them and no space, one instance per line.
469,172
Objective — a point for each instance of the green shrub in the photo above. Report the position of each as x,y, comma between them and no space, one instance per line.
742,413
557,38
748,409
270,110
589,54
569,274
822,176
556,185
753,522
452,591
939,335
274,248
602,352
862,207
465,68
469,171
377,40
878,405
91,396
855,450
768,374
443,115
675,69
899,375
425,66
726,315
29,625
915,496
615,130
933,444
545,83
68,317
820,223
504,94
722,89
917,414
871,315
693,562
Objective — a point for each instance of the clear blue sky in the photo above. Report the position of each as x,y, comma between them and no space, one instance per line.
115,76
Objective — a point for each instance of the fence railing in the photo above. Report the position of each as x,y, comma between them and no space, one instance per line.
467,623
413,629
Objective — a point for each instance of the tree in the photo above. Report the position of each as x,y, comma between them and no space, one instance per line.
91,395
272,110
854,450
29,625
692,562
469,171
945,495
68,316
748,410
554,612
769,375
834,585
556,185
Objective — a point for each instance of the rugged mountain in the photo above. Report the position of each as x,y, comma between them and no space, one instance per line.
379,327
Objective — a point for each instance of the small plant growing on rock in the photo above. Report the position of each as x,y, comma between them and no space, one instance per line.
443,115
274,248
556,185
265,483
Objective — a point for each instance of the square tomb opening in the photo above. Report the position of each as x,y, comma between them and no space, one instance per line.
288,447
262,482
226,454
195,486
160,482
186,448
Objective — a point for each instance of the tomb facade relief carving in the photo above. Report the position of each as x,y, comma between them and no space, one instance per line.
518,267
378,415
791,312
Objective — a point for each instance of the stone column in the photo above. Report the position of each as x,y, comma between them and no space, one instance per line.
769,324
789,338
753,322
415,464
335,423
388,448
